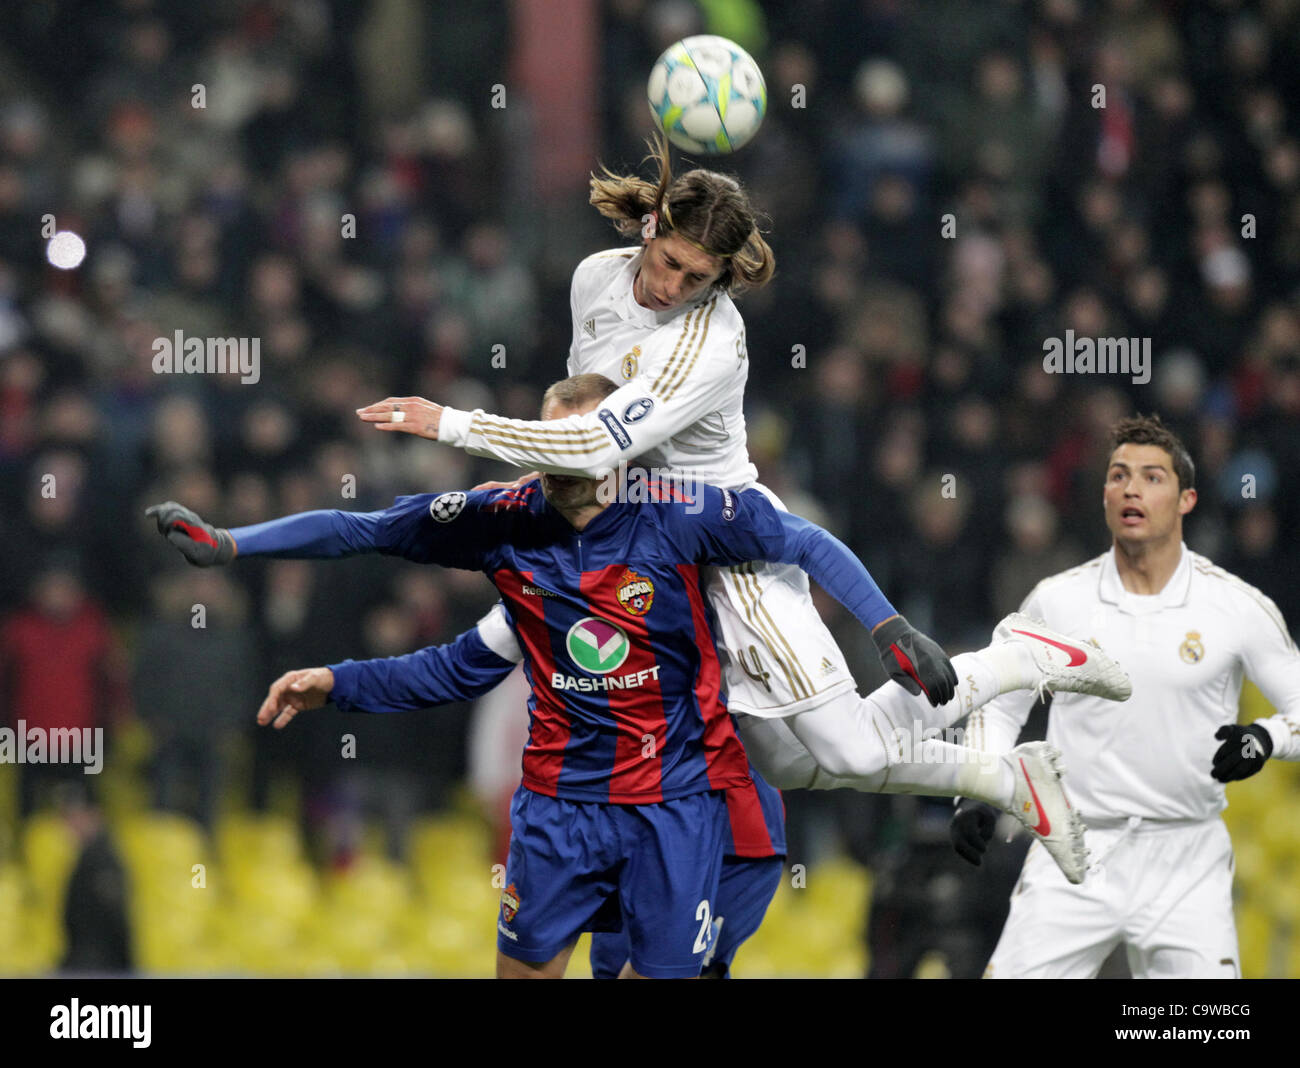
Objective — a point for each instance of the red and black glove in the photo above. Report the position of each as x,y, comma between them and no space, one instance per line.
200,543
915,662
1242,753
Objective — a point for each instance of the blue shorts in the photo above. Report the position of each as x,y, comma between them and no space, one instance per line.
745,889
578,866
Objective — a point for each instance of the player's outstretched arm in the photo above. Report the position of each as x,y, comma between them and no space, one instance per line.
665,398
914,661
405,530
738,527
311,535
471,665
458,671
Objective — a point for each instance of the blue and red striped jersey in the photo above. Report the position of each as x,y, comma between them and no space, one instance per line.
757,820
627,702
476,662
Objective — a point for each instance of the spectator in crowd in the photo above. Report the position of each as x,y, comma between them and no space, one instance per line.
60,668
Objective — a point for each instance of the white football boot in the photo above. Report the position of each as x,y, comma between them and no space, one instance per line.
1039,802
1066,664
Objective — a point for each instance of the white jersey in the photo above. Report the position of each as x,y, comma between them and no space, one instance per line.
680,402
1186,650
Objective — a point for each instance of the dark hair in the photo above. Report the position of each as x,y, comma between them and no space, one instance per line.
578,390
1149,430
708,209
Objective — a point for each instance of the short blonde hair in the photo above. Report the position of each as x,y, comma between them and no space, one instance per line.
577,390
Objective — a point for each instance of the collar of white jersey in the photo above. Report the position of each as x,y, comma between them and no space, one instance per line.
1111,589
623,293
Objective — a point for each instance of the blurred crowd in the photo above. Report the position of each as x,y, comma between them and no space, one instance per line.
940,188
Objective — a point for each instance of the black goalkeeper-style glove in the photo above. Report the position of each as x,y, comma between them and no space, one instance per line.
1242,753
971,829
200,543
915,662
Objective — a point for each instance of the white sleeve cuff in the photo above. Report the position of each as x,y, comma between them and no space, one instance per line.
1283,735
498,635
453,427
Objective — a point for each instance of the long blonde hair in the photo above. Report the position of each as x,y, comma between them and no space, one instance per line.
708,209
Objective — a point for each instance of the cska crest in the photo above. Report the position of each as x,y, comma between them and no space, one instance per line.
636,593
509,902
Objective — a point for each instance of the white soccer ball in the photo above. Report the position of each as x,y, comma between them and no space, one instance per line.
707,94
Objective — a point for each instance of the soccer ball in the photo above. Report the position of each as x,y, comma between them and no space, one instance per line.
707,94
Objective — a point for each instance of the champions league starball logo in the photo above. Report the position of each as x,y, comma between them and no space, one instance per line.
446,506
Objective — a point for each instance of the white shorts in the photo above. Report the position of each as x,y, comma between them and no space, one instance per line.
1162,890
778,655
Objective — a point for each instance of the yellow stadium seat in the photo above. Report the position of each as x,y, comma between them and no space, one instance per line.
1255,932
162,841
245,837
50,851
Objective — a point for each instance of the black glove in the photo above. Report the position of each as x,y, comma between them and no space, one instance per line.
972,829
1242,753
915,662
200,543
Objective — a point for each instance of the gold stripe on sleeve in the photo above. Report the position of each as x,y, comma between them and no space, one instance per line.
563,442
492,424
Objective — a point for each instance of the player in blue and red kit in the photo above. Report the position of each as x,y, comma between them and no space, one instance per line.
630,741
476,662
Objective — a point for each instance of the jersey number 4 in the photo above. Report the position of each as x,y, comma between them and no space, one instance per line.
756,673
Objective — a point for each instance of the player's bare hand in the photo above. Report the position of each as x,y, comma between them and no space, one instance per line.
407,415
294,692
522,480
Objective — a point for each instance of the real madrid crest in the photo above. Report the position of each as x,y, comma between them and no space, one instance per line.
636,593
1192,650
631,362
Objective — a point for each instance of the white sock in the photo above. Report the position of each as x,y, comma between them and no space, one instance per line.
940,769
946,770
978,681
981,676
1011,664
